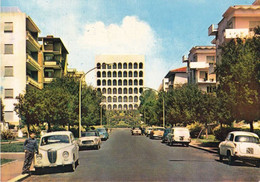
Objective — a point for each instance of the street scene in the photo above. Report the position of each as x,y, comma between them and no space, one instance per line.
162,90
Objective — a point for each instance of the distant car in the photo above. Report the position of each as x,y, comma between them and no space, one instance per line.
147,131
103,133
166,131
157,132
240,145
90,139
57,149
179,135
136,131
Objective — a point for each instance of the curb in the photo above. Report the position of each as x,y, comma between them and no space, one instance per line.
201,148
8,163
19,178
12,153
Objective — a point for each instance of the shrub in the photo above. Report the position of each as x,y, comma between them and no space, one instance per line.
195,129
7,135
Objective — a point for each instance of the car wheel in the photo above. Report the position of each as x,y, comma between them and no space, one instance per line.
38,170
230,158
220,158
258,163
187,144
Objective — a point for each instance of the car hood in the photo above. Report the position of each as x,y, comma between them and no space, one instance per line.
54,146
88,138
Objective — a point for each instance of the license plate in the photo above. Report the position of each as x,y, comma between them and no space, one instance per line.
181,138
250,151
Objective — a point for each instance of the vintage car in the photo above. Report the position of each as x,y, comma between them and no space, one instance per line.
157,132
103,133
136,131
179,135
147,131
90,139
240,145
57,148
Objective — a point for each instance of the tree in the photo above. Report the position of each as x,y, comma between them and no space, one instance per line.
239,78
2,110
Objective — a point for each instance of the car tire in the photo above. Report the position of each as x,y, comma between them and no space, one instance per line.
230,159
220,158
38,170
72,167
187,144
258,163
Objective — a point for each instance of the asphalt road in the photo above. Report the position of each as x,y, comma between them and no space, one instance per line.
136,158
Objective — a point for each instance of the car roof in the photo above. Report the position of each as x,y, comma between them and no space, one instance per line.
247,133
57,133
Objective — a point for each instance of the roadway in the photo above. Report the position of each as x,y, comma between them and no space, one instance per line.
137,158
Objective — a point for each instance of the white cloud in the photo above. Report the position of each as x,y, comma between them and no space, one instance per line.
133,36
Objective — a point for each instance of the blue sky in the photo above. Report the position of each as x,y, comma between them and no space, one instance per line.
162,30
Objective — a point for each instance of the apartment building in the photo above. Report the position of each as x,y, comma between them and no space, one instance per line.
238,21
54,55
120,78
201,63
72,72
174,78
21,61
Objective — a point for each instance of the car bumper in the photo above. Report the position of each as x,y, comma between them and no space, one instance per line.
245,157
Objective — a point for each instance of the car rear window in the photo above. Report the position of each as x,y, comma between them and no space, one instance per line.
249,139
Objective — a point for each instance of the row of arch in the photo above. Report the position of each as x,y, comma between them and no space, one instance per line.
120,90
119,82
121,107
120,66
119,74
120,99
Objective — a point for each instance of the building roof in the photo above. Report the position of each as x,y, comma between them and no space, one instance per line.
55,39
241,7
177,70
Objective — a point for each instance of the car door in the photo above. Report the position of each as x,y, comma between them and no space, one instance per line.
75,149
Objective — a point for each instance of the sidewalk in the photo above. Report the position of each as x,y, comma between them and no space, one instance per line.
198,145
12,171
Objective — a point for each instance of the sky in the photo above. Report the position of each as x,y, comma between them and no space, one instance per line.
162,30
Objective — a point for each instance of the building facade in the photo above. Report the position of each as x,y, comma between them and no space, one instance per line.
54,55
174,78
238,22
21,61
201,64
120,78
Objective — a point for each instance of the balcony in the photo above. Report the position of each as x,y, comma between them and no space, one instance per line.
50,48
48,80
198,65
52,64
32,44
212,81
33,82
32,64
236,33
212,30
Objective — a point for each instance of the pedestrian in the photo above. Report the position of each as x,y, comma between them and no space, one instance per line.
30,146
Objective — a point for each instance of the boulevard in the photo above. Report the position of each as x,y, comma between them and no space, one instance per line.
137,158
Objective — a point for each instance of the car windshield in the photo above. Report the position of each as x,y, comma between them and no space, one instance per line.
249,139
47,140
85,134
158,129
101,130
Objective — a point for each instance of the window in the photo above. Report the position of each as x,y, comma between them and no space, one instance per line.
204,75
125,82
140,74
130,99
109,99
114,83
114,66
98,74
103,66
119,99
114,99
109,74
135,82
103,90
120,107
98,82
109,107
130,82
125,107
120,74
140,65
135,65
8,48
114,74
98,65
120,91
49,57
210,59
130,66
140,82
9,116
125,66
130,106
109,90
104,82
119,65
135,74
114,106
125,90
114,91
119,82
130,90
109,82
8,27
130,74
9,71
103,74
135,90
125,74
125,98
135,99
9,93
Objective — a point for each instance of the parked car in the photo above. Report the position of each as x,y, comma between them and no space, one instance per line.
90,139
147,131
242,146
157,132
179,135
136,131
103,133
166,131
57,149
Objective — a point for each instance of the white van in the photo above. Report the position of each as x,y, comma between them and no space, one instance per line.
179,135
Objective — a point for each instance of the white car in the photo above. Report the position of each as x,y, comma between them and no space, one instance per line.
240,145
90,139
57,149
136,131
179,135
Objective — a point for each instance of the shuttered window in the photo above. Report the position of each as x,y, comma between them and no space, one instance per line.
8,27
9,71
9,93
8,48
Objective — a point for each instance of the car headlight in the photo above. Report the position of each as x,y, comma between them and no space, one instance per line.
39,157
65,154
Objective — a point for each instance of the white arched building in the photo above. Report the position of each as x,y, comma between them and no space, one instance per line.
120,78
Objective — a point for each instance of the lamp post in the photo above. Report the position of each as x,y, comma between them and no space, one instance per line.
162,103
80,83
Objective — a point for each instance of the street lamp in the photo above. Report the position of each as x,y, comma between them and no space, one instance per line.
80,83
162,103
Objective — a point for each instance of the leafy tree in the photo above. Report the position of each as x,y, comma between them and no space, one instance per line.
238,76
2,110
